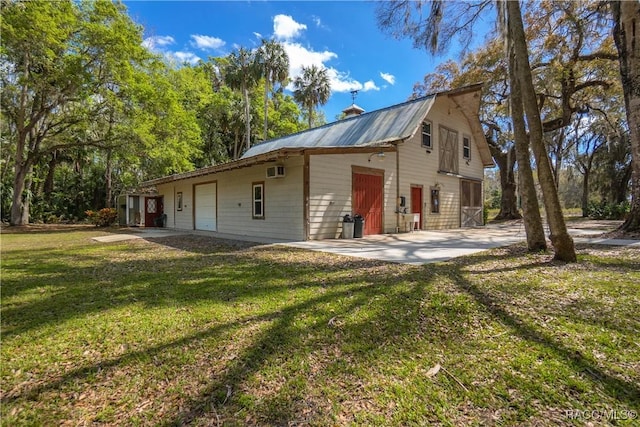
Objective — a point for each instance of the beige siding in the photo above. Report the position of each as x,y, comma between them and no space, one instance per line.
330,188
330,179
417,167
283,205
330,191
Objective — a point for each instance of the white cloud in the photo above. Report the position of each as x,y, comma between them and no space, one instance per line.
370,85
156,42
285,28
206,42
258,35
300,56
389,78
159,44
341,82
182,57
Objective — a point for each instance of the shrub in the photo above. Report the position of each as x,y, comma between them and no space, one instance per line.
103,218
607,210
485,212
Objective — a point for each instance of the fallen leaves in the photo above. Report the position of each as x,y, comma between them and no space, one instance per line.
232,333
432,372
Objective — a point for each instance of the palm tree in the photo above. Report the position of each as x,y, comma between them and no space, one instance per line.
312,89
242,73
275,69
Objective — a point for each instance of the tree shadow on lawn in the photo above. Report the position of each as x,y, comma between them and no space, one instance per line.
370,335
363,314
214,273
573,306
283,334
619,389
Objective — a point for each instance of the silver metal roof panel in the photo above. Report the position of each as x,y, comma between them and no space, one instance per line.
369,129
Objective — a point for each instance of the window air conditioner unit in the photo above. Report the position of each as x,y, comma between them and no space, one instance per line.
275,171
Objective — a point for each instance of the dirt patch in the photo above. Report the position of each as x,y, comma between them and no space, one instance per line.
621,234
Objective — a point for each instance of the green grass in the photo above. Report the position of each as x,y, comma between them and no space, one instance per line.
194,331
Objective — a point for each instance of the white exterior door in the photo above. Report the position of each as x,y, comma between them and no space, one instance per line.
205,207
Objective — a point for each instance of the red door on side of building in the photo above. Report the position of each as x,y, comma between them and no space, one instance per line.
153,208
367,201
416,205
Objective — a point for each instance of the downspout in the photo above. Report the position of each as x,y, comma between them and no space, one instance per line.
396,144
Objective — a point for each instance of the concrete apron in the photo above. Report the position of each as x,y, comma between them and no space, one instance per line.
138,234
418,247
423,247
408,248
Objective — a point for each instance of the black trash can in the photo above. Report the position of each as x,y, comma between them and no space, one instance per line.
358,225
160,221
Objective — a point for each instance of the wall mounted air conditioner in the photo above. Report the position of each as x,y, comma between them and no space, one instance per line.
275,171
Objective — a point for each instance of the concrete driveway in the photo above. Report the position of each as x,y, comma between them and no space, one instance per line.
432,246
409,248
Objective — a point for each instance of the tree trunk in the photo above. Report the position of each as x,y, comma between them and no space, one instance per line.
21,202
560,238
266,104
235,144
108,180
585,192
22,168
48,182
247,116
508,200
536,240
558,156
626,34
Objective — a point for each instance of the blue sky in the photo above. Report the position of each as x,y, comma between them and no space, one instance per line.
341,36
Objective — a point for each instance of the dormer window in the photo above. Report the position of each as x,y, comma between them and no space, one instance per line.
426,135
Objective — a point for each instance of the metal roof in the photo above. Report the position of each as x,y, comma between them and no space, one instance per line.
373,129
366,130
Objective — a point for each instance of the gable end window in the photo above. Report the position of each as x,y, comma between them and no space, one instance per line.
426,134
258,200
466,147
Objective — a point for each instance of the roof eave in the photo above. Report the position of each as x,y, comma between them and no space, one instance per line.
467,99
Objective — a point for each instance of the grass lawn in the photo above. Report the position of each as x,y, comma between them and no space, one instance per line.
190,330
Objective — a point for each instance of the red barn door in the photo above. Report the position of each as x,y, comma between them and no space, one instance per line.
368,200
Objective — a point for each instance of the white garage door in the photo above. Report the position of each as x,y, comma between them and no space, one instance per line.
205,203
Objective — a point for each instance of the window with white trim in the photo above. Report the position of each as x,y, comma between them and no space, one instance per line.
426,134
466,147
258,200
